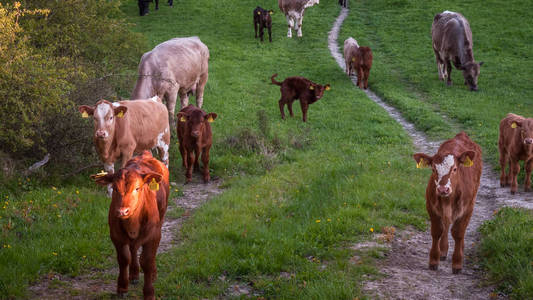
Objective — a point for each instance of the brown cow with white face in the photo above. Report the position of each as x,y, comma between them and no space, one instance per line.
451,195
452,42
127,127
515,144
294,12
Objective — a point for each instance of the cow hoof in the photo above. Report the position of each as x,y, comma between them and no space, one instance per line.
122,295
513,192
443,258
134,281
448,83
456,271
434,267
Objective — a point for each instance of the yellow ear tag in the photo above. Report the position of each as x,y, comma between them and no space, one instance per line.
84,114
421,164
154,186
258,12
270,12
513,125
101,174
311,87
353,58
210,120
328,88
182,119
120,114
468,162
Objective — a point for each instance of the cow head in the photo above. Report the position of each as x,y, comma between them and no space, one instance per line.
526,131
471,73
130,188
196,121
445,169
264,15
318,89
104,114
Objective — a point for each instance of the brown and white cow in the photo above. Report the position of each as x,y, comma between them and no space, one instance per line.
350,49
301,88
136,214
362,63
451,194
177,66
515,144
127,127
294,12
195,138
452,42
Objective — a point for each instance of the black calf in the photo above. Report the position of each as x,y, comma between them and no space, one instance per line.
263,19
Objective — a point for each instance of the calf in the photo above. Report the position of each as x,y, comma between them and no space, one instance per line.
515,144
195,138
350,50
127,127
301,88
136,213
451,194
362,63
452,42
294,12
263,18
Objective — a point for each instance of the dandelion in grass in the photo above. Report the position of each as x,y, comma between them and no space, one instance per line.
54,253
54,188
77,192
318,221
371,229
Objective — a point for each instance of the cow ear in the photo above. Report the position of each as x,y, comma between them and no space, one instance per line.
467,158
120,111
210,117
422,160
327,87
182,117
153,180
86,111
103,178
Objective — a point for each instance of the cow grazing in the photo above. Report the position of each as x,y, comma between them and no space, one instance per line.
127,127
136,213
294,12
343,3
451,194
195,138
301,88
362,63
177,66
515,144
263,18
350,50
452,42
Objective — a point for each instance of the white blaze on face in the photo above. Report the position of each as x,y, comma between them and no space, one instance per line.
100,113
444,168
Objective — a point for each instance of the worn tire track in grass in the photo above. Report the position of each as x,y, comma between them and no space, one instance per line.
406,269
97,284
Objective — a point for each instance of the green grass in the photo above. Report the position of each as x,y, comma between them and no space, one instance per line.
507,252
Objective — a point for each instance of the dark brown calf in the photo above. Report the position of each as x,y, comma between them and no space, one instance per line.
136,213
301,88
515,144
195,138
451,194
263,19
362,63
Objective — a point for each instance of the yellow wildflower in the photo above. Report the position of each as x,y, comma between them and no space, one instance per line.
329,220
54,253
371,229
318,221
77,192
54,188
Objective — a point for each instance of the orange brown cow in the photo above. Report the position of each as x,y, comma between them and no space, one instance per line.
195,139
136,214
451,194
515,144
362,63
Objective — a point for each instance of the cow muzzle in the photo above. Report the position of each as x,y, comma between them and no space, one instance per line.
528,141
123,212
195,133
444,191
101,134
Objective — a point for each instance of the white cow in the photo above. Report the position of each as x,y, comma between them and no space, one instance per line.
294,12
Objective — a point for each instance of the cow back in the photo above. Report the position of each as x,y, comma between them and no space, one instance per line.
510,140
452,36
295,5
350,48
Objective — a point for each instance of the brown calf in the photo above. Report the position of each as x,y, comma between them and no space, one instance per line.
195,137
136,213
451,194
362,63
127,127
515,144
263,19
301,88
350,49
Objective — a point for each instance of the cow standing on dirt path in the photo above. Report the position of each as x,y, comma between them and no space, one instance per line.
127,127
350,49
294,12
515,144
177,66
362,63
452,42
451,195
263,18
136,214
195,139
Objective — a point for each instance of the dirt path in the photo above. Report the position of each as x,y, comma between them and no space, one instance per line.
97,284
406,272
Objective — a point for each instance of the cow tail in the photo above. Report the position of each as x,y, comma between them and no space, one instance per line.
274,80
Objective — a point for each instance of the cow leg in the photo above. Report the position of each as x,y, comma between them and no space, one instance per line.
110,169
299,25
281,106
156,4
205,163
172,96
440,65
360,77
190,163
289,105
304,107
289,21
458,234
270,33
184,154
170,2
134,266
197,152
443,243
436,234
149,266
367,73
449,72
261,31
527,184
504,159
200,89
123,258
255,26
515,169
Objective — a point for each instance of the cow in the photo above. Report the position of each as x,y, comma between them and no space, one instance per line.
451,194
263,18
127,127
143,6
350,49
452,42
362,63
195,138
294,12
301,88
177,66
136,213
343,3
515,144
